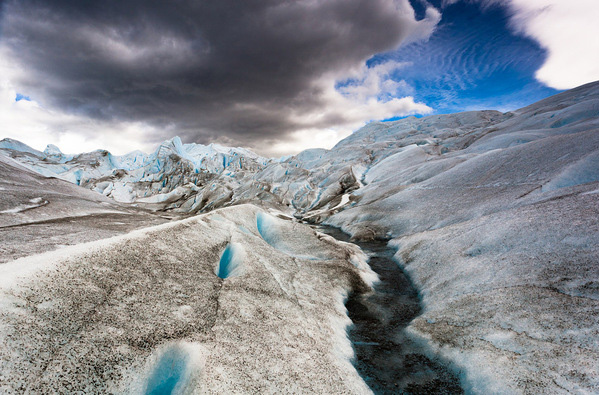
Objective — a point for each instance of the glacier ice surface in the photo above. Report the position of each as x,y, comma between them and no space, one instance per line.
493,215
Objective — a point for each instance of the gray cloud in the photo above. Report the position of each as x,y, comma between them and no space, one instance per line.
210,70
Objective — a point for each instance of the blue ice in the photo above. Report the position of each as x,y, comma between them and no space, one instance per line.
224,266
231,262
168,372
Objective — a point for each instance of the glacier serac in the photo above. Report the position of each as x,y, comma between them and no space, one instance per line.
137,175
494,217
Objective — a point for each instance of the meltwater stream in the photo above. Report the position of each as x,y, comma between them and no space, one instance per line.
388,361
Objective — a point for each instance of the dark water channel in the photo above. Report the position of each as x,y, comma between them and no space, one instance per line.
385,357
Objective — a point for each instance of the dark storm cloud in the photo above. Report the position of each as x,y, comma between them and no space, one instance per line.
206,69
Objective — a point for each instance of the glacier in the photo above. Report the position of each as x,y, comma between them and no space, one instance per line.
493,216
122,314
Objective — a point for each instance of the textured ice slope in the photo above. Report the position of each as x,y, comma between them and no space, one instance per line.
146,312
513,297
39,214
499,229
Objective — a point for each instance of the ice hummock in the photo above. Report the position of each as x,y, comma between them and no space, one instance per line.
122,317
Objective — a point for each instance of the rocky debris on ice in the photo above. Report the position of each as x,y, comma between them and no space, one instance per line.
148,312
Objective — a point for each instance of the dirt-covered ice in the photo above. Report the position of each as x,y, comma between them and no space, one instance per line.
40,214
148,312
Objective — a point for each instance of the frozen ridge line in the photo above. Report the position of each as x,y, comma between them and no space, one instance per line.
137,175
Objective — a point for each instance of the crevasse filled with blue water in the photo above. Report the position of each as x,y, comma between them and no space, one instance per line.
169,372
231,261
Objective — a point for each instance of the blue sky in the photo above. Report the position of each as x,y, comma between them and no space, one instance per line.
472,61
19,97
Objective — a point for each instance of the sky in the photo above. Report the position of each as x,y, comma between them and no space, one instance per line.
275,76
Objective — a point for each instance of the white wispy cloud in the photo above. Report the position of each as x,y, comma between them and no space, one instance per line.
569,31
368,94
566,29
